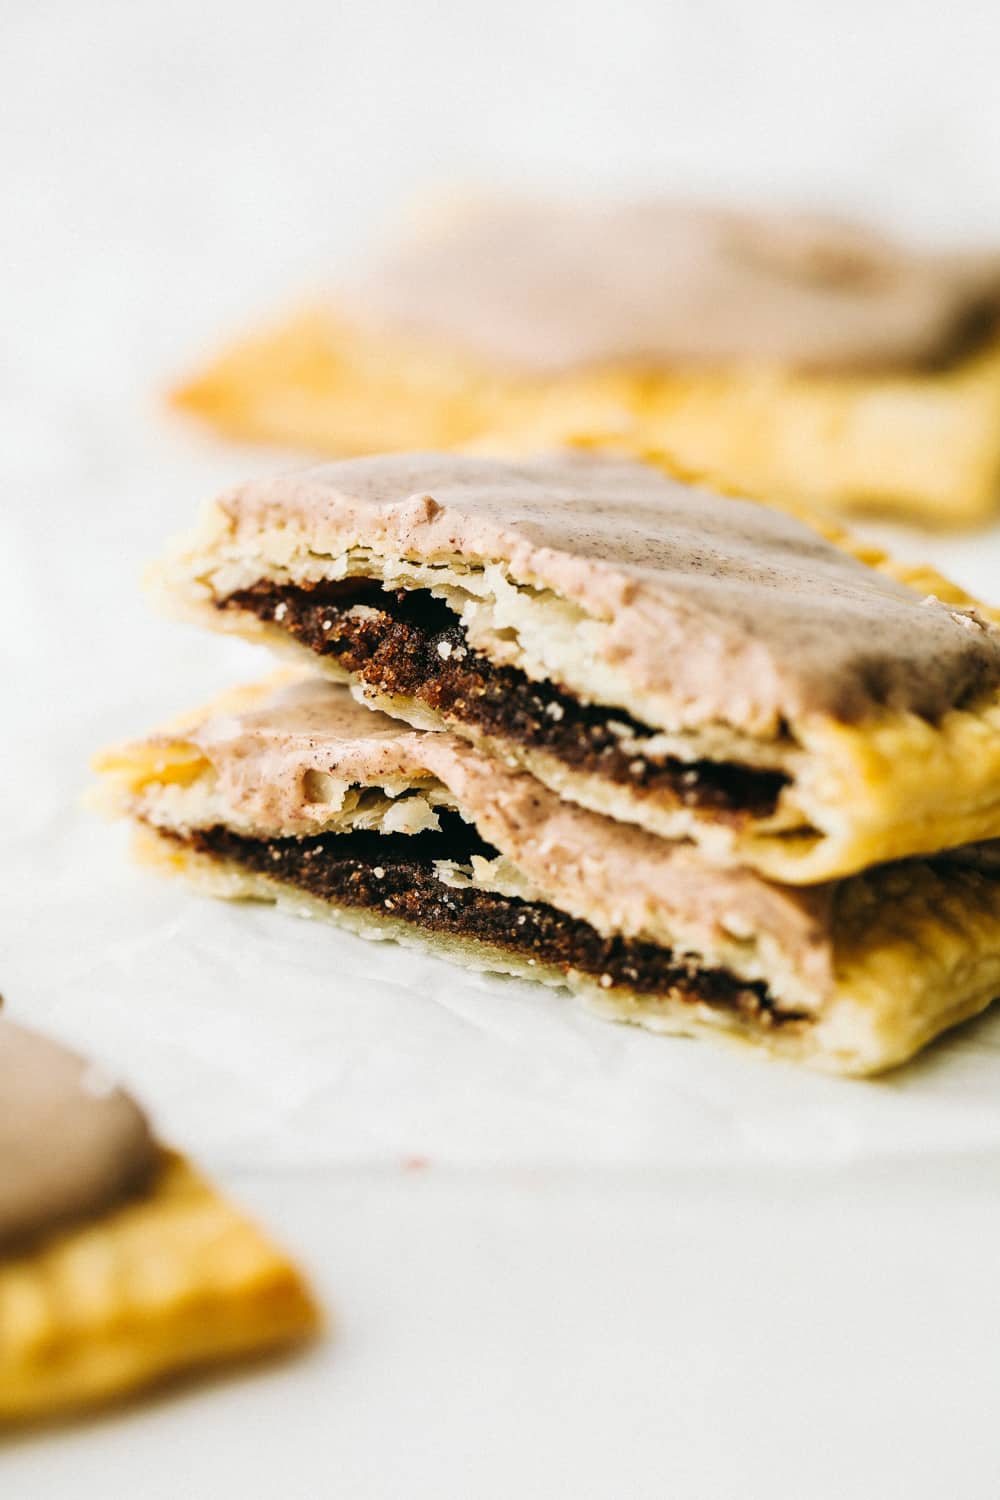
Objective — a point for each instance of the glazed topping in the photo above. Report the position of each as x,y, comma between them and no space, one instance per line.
72,1146
717,610
545,287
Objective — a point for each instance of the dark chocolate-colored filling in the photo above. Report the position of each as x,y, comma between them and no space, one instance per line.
394,875
408,644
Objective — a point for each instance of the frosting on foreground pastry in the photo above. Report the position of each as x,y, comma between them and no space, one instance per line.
119,1265
781,355
71,1145
293,792
707,668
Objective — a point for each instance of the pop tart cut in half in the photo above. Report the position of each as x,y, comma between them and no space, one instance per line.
708,668
292,792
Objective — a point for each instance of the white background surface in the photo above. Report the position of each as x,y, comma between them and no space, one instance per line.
563,1258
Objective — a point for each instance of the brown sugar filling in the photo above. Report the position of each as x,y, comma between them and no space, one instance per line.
394,875
408,644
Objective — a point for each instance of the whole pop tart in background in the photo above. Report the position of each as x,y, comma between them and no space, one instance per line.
791,357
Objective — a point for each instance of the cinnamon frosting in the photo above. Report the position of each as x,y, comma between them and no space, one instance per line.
72,1145
716,610
544,287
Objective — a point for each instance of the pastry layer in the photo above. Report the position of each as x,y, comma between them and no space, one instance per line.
162,1284
704,666
409,645
781,357
297,794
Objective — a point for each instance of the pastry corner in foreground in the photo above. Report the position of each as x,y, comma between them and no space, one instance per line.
121,1267
173,1282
